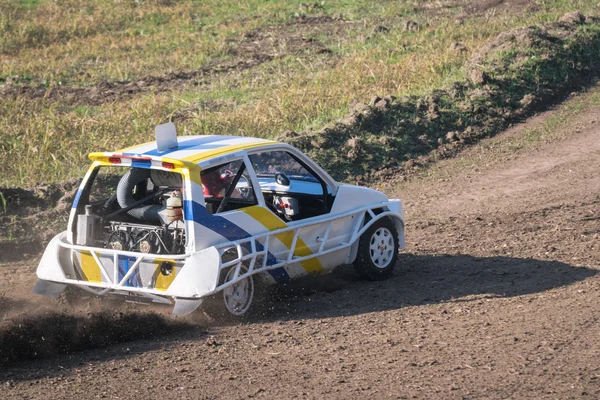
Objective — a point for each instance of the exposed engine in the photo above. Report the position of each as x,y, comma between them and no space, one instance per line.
144,215
166,239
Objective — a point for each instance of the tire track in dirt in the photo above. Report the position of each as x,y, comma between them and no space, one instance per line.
106,92
254,49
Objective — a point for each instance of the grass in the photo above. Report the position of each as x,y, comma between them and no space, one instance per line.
521,71
298,88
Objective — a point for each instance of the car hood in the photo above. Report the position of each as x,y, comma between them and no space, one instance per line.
350,197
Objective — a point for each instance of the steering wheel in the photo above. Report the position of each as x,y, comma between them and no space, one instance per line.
244,191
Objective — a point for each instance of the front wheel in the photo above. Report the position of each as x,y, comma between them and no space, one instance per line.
377,251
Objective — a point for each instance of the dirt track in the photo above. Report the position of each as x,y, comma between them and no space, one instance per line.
496,296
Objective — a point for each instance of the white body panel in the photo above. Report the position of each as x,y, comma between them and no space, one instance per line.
253,236
351,197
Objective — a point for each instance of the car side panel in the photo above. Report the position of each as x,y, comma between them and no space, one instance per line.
304,247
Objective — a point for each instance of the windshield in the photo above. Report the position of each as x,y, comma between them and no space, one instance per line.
269,163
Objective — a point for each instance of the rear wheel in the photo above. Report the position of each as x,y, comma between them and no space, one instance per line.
235,301
238,297
377,251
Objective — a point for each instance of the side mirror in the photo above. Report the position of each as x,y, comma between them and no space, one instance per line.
282,179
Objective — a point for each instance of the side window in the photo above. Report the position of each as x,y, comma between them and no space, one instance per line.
290,189
227,187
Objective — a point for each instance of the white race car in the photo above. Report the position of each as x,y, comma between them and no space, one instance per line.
184,219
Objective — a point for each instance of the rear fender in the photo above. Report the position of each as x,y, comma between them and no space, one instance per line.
199,275
49,268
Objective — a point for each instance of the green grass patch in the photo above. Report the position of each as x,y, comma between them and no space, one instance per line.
316,71
522,70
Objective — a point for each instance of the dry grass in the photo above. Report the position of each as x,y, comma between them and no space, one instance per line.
73,43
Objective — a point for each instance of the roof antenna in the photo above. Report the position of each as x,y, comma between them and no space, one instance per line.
166,137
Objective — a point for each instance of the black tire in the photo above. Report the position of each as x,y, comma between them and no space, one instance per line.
377,251
74,296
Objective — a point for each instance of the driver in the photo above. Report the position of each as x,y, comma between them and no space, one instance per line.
215,183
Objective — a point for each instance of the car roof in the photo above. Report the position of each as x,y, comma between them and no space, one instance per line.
198,148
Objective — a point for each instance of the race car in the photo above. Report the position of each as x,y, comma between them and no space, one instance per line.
193,219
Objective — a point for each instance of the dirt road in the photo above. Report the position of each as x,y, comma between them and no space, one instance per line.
497,296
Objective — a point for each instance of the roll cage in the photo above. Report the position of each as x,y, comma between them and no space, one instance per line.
328,186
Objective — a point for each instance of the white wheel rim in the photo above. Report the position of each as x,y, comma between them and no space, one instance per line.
381,247
238,296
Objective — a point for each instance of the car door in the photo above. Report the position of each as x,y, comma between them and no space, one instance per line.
297,204
232,211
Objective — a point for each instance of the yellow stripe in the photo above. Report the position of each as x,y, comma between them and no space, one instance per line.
90,268
99,162
163,282
200,156
272,222
193,173
128,149
205,155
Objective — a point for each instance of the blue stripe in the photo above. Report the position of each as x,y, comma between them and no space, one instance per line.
215,223
189,144
279,274
77,197
230,231
124,264
141,163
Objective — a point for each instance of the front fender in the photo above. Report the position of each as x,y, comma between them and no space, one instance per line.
397,216
395,206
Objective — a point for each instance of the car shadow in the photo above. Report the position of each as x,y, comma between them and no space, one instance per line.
419,280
